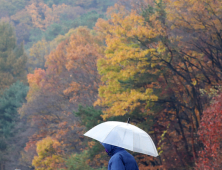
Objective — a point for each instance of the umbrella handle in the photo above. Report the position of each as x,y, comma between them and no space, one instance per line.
128,120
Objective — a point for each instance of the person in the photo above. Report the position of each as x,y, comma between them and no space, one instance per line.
120,158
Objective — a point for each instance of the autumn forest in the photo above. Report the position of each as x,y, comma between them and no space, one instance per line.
68,65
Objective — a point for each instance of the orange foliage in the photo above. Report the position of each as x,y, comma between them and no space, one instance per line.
154,67
70,78
35,81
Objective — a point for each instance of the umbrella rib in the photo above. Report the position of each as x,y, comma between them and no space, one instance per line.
153,144
110,131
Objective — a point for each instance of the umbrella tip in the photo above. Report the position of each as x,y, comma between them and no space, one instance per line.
128,120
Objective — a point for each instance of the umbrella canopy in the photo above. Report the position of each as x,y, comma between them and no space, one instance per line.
123,135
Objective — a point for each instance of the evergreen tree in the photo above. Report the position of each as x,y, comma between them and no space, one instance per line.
10,101
78,162
12,58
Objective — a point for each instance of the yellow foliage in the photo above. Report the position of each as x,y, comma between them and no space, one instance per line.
125,57
49,155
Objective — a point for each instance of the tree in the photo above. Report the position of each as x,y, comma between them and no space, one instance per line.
12,58
88,19
37,55
10,7
127,60
79,162
149,72
42,15
41,49
90,116
12,98
82,53
70,79
200,26
210,134
23,24
49,155
53,31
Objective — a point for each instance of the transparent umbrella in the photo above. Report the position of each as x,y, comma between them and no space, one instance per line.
123,135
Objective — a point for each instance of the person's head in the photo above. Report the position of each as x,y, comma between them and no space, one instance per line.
107,147
110,149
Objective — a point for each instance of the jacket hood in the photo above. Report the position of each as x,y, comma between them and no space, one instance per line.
111,150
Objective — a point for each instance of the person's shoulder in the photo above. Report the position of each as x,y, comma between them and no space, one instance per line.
124,152
127,156
116,157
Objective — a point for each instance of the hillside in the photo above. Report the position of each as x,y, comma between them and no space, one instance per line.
40,25
37,19
69,65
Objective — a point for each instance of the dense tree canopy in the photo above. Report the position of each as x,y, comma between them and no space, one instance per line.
37,19
12,98
70,79
210,135
49,155
12,57
156,61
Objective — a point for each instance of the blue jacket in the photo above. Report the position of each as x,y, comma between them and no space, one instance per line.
120,158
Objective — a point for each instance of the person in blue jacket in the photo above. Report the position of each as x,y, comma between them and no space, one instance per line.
120,158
